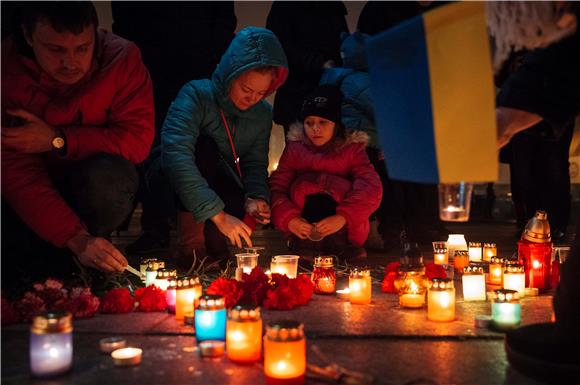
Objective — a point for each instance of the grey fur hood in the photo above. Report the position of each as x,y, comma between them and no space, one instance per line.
296,134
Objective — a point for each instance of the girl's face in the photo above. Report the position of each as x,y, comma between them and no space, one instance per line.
319,130
249,88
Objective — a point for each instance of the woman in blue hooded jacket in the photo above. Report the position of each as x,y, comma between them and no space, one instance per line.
215,143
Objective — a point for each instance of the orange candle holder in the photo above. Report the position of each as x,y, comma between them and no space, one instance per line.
411,282
441,300
441,257
323,275
496,266
187,294
460,260
285,353
360,285
489,250
244,334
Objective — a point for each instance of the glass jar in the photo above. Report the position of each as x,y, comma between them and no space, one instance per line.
514,278
210,318
360,286
505,310
285,353
188,292
323,275
51,344
495,276
411,282
244,334
441,300
162,278
473,281
475,252
489,250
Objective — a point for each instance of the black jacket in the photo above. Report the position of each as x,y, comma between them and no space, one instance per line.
310,34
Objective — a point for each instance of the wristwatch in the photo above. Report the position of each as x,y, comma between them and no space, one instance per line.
58,141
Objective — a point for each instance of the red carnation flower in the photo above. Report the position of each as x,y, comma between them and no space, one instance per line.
388,285
434,271
282,298
28,306
151,298
392,267
255,286
81,303
229,288
9,314
51,292
117,300
303,288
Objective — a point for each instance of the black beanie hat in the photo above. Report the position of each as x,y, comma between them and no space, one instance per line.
325,102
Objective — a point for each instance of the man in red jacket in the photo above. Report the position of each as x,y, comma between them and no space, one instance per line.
77,114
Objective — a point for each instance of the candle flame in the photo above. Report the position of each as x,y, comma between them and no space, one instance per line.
53,352
413,287
536,264
281,365
497,272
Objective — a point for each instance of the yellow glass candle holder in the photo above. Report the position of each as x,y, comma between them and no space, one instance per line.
360,285
187,294
514,278
441,300
323,275
489,250
244,334
473,283
495,276
475,252
440,257
285,353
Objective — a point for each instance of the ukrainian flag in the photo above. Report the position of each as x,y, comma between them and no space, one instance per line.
434,98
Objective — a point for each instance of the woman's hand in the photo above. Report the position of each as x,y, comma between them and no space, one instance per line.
330,225
300,227
259,209
233,228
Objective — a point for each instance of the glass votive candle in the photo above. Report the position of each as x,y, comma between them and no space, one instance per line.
475,252
455,242
284,353
360,286
495,276
505,309
411,284
440,256
244,334
323,275
473,283
285,264
187,293
150,276
144,265
441,300
455,201
127,356
51,345
461,260
439,245
210,318
489,250
170,294
162,278
514,278
247,261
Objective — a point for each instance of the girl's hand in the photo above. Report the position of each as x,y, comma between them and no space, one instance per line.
330,225
300,227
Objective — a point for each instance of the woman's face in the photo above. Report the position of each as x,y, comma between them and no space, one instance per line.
319,130
249,88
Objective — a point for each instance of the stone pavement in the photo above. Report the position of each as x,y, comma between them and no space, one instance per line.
395,346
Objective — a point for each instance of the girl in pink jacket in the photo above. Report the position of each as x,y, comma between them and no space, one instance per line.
325,187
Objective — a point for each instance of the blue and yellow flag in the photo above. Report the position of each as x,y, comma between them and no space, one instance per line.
434,99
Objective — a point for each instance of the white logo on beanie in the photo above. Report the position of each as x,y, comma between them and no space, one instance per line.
320,99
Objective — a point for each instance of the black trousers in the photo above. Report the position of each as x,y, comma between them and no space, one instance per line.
99,189
540,178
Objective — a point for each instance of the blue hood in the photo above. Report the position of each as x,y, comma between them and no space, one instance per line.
353,52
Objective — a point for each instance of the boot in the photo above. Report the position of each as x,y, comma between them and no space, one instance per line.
190,238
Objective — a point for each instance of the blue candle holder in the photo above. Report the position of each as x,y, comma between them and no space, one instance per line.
505,310
210,318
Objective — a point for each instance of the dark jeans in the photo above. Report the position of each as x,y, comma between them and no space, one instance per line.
540,178
99,189
219,180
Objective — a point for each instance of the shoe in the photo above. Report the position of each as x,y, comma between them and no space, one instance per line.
544,351
354,253
148,244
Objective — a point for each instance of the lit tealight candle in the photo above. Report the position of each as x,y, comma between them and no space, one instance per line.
343,293
210,318
475,252
323,275
285,264
473,283
505,309
212,348
441,257
489,250
127,356
495,276
109,344
441,300
187,294
244,334
285,353
514,278
360,285
51,345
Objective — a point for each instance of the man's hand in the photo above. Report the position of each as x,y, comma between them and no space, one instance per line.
330,225
97,253
300,227
511,121
33,137
233,228
259,209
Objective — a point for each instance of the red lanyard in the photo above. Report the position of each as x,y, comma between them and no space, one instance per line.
236,159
